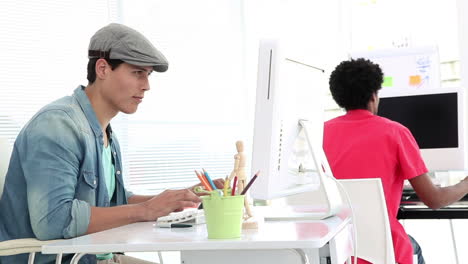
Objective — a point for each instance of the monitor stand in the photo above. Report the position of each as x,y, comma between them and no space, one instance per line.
327,187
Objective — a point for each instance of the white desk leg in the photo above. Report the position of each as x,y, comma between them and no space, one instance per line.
454,242
77,258
58,259
160,257
31,257
341,246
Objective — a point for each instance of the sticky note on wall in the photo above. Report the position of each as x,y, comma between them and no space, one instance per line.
415,80
387,81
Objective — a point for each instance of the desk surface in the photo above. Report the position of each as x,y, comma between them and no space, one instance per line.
411,207
144,237
420,211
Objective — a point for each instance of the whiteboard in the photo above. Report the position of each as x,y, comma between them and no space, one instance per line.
409,69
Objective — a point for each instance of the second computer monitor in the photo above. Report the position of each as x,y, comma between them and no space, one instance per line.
435,117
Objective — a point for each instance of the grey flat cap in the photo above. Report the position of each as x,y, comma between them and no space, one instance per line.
117,41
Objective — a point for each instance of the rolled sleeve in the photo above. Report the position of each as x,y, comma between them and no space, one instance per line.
51,154
80,217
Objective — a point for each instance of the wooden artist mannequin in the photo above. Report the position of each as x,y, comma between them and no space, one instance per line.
239,171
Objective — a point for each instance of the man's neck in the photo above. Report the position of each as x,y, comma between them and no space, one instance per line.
103,110
105,138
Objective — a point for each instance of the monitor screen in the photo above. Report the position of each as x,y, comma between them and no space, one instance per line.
435,118
431,118
286,92
287,149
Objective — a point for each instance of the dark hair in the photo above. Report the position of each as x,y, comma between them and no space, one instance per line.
353,82
92,68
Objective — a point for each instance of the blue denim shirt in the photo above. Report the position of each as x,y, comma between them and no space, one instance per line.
55,176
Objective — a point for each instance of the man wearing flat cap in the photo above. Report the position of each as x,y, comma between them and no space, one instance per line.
65,174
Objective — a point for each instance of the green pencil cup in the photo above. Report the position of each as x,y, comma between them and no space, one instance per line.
223,215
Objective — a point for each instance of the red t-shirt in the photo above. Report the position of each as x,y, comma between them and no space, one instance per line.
360,144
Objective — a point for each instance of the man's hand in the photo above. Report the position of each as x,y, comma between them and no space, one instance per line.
219,183
141,209
167,202
144,208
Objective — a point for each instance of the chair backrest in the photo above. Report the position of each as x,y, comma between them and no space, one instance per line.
22,245
374,238
5,153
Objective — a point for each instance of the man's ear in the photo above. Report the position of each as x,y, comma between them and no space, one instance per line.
373,103
102,68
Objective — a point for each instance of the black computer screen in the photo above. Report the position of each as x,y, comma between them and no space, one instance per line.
431,118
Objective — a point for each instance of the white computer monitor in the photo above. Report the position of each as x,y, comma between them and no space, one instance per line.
435,117
288,128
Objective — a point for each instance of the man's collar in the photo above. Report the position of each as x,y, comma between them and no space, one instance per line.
88,110
359,113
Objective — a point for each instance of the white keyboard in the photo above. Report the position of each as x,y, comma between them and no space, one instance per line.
187,216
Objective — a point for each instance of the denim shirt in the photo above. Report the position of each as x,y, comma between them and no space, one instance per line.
55,176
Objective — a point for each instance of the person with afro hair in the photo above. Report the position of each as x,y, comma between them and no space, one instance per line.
361,144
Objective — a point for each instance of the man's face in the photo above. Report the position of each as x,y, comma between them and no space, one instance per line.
126,86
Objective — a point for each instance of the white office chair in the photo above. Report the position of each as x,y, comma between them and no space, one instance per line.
24,245
374,238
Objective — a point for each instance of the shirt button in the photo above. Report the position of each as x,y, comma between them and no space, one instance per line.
118,172
115,153
94,182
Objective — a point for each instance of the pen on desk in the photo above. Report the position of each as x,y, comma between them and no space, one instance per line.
172,225
250,183
233,192
209,179
203,181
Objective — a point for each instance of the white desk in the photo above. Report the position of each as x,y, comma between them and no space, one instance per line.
275,238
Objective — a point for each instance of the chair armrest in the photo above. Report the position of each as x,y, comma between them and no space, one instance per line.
22,245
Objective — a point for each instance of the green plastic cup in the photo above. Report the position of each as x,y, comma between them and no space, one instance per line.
223,215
